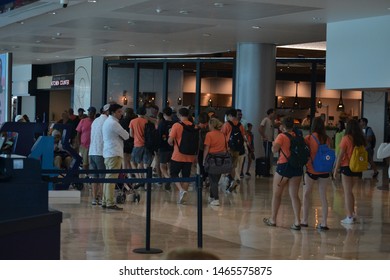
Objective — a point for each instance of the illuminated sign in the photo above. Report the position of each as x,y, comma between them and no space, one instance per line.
62,81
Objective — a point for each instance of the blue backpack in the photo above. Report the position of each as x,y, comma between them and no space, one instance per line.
324,158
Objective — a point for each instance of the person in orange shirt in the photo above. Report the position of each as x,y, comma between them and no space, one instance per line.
353,137
180,162
236,148
311,176
214,143
285,175
140,156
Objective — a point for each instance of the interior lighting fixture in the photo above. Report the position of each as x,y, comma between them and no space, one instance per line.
124,94
179,100
340,106
210,102
296,99
319,102
282,102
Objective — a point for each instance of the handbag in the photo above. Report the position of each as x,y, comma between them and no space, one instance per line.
219,163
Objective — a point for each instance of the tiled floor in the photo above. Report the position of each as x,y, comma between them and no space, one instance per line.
233,230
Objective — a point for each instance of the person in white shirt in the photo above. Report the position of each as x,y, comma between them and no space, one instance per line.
96,160
113,136
266,131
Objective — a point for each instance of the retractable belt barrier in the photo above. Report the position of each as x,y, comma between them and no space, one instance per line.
148,181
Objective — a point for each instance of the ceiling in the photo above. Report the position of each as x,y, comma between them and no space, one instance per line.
43,32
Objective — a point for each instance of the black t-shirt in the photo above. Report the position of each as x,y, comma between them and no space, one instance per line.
163,132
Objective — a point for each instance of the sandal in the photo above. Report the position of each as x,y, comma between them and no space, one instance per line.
268,222
295,227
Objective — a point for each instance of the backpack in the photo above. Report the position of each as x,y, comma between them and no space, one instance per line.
324,158
163,131
373,138
236,140
189,144
299,151
151,137
359,159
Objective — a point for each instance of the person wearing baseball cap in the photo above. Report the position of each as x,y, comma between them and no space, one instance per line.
84,135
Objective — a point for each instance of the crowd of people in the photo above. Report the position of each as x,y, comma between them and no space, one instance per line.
350,134
116,139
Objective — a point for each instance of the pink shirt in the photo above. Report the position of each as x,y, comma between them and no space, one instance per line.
84,128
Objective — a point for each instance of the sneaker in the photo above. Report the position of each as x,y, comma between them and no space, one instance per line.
234,185
94,202
210,199
104,206
114,207
242,175
182,197
348,221
100,202
214,202
248,174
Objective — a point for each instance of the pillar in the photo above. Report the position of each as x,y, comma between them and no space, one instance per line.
255,85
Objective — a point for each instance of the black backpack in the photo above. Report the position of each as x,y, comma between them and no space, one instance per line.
151,137
299,151
189,144
236,140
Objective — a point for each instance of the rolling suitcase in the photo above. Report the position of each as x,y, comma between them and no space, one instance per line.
262,166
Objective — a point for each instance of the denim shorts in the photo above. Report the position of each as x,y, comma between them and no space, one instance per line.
287,171
97,163
141,155
347,172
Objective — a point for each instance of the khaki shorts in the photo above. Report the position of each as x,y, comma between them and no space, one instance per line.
84,154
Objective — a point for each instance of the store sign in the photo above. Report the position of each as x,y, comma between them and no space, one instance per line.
62,81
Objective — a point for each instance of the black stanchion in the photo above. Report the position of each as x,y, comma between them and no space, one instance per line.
147,249
200,221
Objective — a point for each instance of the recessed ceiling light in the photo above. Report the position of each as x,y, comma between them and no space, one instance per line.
158,10
131,45
102,50
206,34
130,22
256,27
37,41
92,1
219,4
184,12
317,18
52,13
21,22
107,27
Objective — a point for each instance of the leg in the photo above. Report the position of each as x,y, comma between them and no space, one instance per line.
322,186
111,163
349,199
306,197
293,189
277,191
214,179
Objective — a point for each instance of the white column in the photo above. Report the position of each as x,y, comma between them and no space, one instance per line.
255,84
